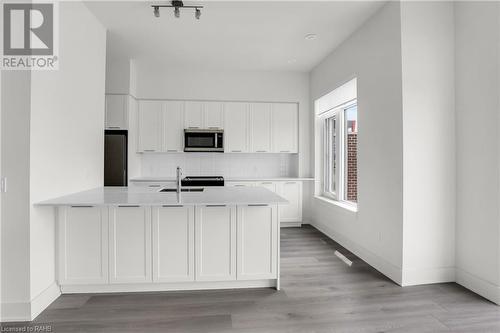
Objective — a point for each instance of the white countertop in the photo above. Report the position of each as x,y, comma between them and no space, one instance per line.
103,196
229,179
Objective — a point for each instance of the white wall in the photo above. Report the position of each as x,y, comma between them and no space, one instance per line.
154,81
427,31
15,203
477,110
53,145
373,55
117,76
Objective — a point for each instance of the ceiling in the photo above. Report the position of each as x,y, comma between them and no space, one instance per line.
232,35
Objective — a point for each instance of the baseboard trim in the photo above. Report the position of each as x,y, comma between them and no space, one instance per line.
290,224
383,266
44,299
145,287
413,277
478,285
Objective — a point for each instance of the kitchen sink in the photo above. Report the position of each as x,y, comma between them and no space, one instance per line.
196,189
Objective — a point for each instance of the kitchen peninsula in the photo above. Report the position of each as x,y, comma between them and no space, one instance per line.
119,239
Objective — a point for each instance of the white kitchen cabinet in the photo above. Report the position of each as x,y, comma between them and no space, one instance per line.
260,127
173,126
130,244
236,127
285,128
213,115
257,242
149,126
116,112
173,244
269,185
239,184
193,115
82,245
291,191
215,243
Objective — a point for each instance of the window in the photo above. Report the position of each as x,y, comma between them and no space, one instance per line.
341,153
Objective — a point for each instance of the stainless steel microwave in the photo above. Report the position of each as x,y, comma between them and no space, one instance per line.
203,140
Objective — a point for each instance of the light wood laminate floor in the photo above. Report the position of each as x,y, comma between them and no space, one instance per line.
320,293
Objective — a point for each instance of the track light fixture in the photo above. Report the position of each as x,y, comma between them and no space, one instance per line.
177,5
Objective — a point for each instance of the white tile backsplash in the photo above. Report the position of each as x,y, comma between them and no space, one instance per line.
215,164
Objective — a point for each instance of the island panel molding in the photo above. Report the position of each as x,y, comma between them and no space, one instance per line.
173,244
257,242
82,245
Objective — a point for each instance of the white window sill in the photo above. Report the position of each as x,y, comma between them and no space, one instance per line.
350,207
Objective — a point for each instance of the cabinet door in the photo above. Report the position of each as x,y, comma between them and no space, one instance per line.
193,115
214,115
292,212
173,126
130,244
257,242
83,245
116,112
285,128
149,126
269,185
173,244
236,127
260,127
215,243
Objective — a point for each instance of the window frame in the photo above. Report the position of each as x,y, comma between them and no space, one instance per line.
340,170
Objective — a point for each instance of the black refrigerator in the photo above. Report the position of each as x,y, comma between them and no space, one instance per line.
115,158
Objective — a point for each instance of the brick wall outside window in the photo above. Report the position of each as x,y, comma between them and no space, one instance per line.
352,167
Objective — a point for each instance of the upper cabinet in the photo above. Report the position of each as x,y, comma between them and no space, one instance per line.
116,112
204,115
285,128
213,115
260,127
236,130
248,127
149,126
173,126
193,115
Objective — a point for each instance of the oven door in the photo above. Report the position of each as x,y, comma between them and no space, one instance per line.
202,141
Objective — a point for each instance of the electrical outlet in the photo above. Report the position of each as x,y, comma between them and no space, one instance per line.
3,184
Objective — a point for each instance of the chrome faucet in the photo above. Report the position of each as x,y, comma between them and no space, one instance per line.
179,183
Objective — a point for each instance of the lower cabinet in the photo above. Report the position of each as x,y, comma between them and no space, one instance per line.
215,243
83,245
173,244
130,244
257,242
291,191
167,244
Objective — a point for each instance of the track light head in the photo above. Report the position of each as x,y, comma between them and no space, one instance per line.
177,5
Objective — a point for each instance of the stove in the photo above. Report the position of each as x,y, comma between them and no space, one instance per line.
202,181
